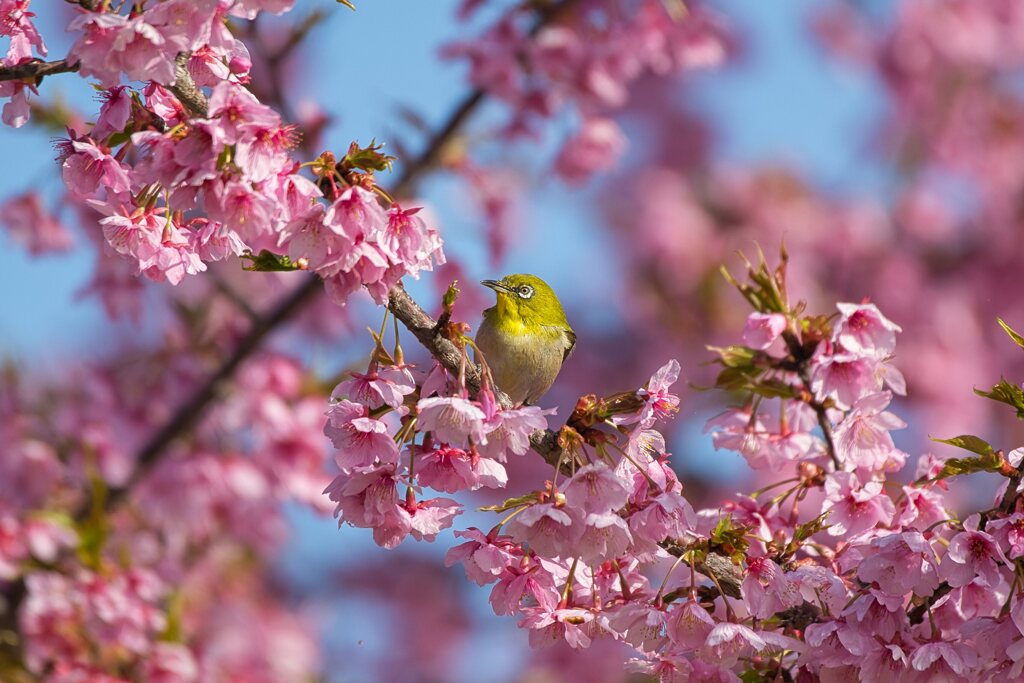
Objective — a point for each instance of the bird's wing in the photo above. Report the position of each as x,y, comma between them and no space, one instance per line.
570,338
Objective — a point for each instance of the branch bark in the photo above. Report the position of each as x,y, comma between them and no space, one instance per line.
186,90
36,69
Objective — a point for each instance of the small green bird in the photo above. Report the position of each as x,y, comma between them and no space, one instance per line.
525,337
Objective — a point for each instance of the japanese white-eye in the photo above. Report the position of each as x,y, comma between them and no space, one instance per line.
525,337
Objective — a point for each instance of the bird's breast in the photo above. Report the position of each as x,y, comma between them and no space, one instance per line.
524,361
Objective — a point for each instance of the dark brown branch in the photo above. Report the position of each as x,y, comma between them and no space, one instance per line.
36,69
726,575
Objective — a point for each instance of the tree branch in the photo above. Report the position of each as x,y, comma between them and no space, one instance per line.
36,69
186,90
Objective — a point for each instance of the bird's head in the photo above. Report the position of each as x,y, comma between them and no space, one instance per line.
527,298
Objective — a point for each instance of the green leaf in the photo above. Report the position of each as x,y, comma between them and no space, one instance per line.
956,466
510,503
1004,392
267,261
367,158
988,459
734,356
974,444
1017,339
808,529
737,379
729,540
773,388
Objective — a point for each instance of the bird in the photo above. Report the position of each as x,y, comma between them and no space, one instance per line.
525,337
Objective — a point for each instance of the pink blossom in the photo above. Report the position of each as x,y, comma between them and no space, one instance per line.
667,515
640,624
427,518
451,419
408,242
727,642
239,114
240,207
360,440
970,554
264,152
114,113
88,167
17,110
664,667
596,489
595,147
658,402
689,625
1008,533
900,564
161,102
885,662
862,439
855,506
767,589
357,215
549,530
367,497
573,625
605,537
863,330
28,222
508,431
385,386
453,469
13,548
762,329
170,663
213,242
920,508
843,377
484,558
945,661
437,382
517,581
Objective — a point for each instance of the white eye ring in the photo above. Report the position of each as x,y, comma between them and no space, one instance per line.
524,291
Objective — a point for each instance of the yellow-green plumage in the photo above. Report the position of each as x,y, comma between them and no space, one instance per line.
524,337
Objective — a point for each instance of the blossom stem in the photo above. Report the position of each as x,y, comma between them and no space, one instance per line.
728,608
508,518
623,584
567,591
664,581
642,471
769,487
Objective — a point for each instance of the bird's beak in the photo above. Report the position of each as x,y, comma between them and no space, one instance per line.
496,286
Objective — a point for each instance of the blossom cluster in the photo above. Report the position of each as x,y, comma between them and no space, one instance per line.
181,181
586,59
831,579
120,590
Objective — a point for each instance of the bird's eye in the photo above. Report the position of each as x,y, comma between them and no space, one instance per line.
525,291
